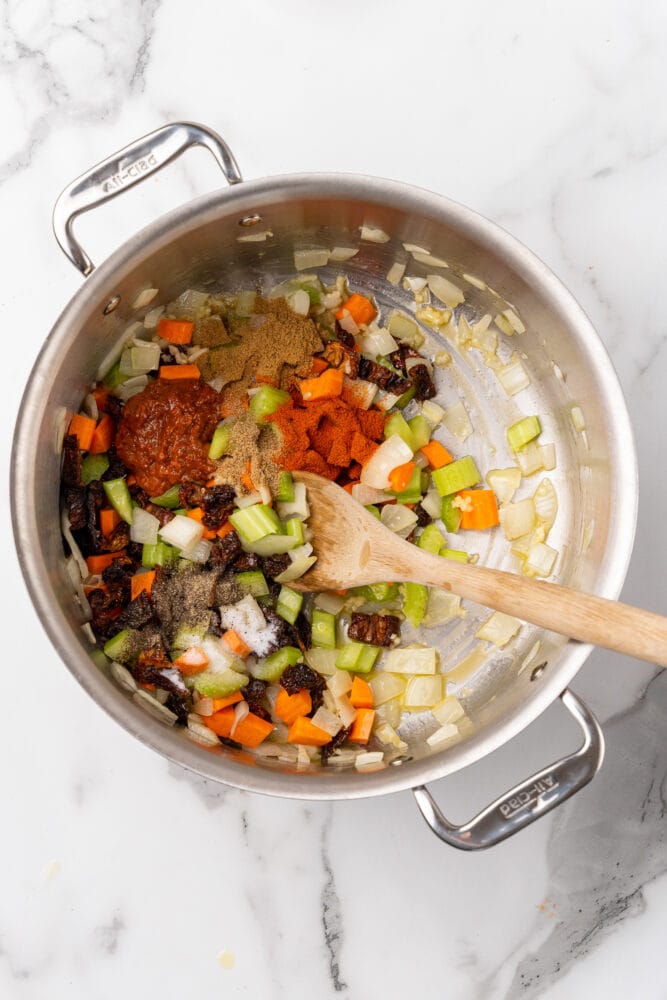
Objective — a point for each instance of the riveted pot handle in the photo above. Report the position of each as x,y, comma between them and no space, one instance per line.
529,800
126,168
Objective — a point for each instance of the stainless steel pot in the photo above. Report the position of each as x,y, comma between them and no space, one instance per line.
204,244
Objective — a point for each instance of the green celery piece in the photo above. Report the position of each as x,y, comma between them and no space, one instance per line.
372,509
158,555
258,521
313,294
450,515
378,592
122,647
456,554
415,599
358,657
216,684
190,635
266,401
323,629
413,491
119,497
272,666
219,442
397,424
272,545
403,400
431,539
168,499
523,431
294,527
285,492
114,377
420,429
459,475
289,604
253,582
93,467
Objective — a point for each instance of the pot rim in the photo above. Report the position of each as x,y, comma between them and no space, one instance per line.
244,197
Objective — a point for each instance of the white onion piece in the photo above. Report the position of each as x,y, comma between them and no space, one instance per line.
339,683
114,354
74,574
300,552
449,710
421,460
385,400
540,560
182,532
548,456
398,518
297,507
377,341
144,527
403,328
198,732
328,601
345,710
432,411
144,298
546,503
432,502
514,321
303,259
442,735
395,273
517,519
503,325
254,237
363,392
153,317
529,458
414,284
414,248
373,234
204,707
391,453
190,304
411,363
445,290
220,656
441,608
423,692
122,677
504,482
348,323
513,377
198,553
368,494
74,548
322,660
411,660
386,686
473,280
241,709
154,708
343,253
457,421
429,259
326,720
249,500
132,387
90,406
296,569
369,760
499,629
299,302
578,419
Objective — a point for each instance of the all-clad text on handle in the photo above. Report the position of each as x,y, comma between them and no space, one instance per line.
124,169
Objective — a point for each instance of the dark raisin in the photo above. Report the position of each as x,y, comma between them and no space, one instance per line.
71,469
420,377
255,693
225,550
273,566
138,612
245,561
75,501
423,517
300,675
375,629
217,503
334,743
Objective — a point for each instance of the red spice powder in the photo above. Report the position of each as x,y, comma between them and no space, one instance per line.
326,436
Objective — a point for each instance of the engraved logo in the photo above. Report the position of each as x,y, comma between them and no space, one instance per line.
130,173
528,796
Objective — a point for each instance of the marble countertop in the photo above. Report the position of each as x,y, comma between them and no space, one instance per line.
124,875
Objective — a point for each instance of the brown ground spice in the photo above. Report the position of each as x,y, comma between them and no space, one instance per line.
248,442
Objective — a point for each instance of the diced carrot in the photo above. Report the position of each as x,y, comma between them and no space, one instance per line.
289,707
317,366
146,686
141,582
483,511
109,518
399,478
100,395
96,564
236,643
131,479
252,730
192,661
436,454
230,699
225,529
265,379
328,385
103,437
220,722
174,372
176,331
197,514
246,478
362,725
305,732
359,308
84,428
348,486
361,695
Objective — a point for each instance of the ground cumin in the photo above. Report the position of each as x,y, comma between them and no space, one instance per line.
250,443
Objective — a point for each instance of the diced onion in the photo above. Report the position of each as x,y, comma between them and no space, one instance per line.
299,302
345,710
119,346
432,411
436,318
514,321
322,660
144,527
297,507
546,503
90,406
499,629
411,660
154,708
423,692
414,284
339,683
348,323
429,259
198,553
445,290
457,421
249,500
414,248
301,552
198,732
540,559
296,569
395,273
343,253
513,377
398,518
255,237
74,548
529,458
449,710
386,686
303,259
220,656
122,677
405,329
363,392
390,712
372,234
328,601
153,317
182,532
144,298
432,502
504,482
517,519
388,735
326,720
442,607
391,453
578,420
131,387
472,280
548,456
442,735
368,494
140,359
369,760
377,341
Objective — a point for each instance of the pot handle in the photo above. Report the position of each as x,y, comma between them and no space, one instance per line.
124,169
530,799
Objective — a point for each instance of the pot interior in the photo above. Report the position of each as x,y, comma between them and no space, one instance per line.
205,246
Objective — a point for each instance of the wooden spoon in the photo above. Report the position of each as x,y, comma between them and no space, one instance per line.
353,549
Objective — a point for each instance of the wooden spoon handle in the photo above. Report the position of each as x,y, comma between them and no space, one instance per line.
585,617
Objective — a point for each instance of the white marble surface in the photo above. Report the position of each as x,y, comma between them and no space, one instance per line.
122,875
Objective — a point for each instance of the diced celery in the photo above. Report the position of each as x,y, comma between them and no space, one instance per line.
272,545
271,667
358,657
253,582
450,515
218,684
378,592
431,539
266,401
408,395
415,599
115,377
459,475
455,554
397,424
323,629
119,497
420,429
258,521
313,294
122,646
190,635
289,604
372,509
285,492
168,499
294,527
93,467
158,555
219,442
523,431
